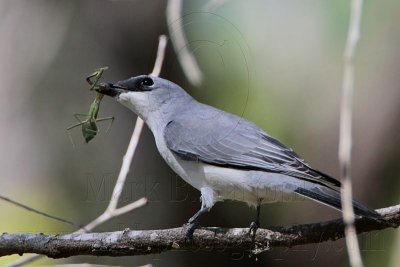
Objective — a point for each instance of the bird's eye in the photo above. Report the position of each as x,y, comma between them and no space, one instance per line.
147,82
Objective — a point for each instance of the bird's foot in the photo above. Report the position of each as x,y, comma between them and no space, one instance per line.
191,226
253,228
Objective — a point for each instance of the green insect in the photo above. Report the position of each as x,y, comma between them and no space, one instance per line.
89,126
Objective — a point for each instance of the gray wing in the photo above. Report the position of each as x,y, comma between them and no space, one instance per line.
223,139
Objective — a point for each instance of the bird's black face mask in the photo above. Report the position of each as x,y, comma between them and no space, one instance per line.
135,84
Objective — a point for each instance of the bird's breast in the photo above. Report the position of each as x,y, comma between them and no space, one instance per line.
187,170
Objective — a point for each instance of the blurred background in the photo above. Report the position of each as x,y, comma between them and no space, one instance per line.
277,63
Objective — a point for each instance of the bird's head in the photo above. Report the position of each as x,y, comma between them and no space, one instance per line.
148,96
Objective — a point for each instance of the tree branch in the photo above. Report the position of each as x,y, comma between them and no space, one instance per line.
129,242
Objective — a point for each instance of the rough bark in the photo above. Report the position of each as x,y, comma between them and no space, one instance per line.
136,242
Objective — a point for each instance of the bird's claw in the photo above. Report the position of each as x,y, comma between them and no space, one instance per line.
191,226
253,228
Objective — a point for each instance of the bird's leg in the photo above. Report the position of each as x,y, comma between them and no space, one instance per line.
193,222
255,224
207,201
195,217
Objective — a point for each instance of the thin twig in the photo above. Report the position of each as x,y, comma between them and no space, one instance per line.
144,242
162,43
75,225
345,140
112,211
181,46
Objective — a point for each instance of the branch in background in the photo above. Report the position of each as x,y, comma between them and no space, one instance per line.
112,211
16,203
128,243
345,141
178,39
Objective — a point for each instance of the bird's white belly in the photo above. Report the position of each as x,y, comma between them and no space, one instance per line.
253,187
234,184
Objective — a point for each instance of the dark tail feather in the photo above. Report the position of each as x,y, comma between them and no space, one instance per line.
332,198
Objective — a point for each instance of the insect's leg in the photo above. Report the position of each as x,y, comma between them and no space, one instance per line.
70,139
89,78
78,115
96,75
75,125
107,119
78,119
89,130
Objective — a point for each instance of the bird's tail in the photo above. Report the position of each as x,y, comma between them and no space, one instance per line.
331,197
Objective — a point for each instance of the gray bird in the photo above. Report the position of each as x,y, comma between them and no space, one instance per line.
222,155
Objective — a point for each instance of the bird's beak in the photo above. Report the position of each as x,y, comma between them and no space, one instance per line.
110,89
